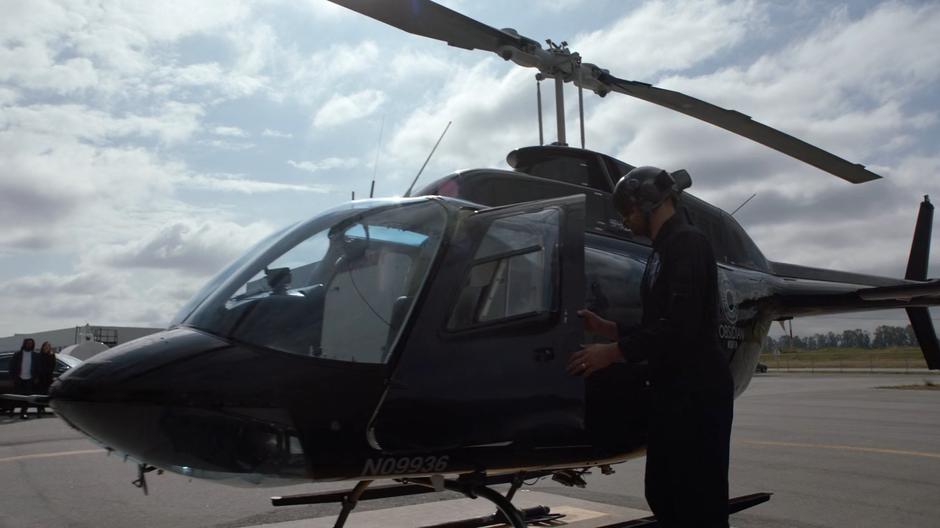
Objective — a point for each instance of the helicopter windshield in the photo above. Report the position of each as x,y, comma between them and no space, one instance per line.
337,287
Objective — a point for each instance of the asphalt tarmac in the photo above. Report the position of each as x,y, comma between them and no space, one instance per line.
836,451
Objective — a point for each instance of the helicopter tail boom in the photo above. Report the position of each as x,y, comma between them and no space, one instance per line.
813,291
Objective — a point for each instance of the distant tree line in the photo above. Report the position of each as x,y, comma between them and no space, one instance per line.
884,337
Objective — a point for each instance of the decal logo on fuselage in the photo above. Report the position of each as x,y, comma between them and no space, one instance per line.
728,330
727,298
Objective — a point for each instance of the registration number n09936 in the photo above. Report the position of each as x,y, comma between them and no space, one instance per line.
402,465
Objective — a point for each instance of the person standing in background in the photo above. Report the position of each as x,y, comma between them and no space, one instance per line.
24,367
45,372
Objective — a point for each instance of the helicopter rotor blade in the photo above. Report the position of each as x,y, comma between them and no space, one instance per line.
742,125
428,19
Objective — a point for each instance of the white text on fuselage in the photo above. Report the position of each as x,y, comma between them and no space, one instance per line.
405,465
731,335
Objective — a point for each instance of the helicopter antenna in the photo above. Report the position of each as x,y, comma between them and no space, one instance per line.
414,181
743,204
538,100
560,109
581,102
375,164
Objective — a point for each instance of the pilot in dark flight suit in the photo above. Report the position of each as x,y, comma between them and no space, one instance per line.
691,385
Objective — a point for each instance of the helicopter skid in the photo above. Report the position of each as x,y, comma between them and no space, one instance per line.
473,486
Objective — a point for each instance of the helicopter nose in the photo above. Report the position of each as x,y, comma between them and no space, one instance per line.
115,397
113,376
185,401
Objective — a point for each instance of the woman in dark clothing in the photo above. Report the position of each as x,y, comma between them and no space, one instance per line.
45,372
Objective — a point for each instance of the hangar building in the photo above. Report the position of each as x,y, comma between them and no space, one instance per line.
61,338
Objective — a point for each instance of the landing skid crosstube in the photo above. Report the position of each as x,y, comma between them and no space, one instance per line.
474,486
471,485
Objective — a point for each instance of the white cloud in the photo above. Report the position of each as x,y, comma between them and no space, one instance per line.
140,297
228,145
305,77
8,96
229,131
324,10
32,66
325,164
42,285
187,245
484,127
52,185
129,280
919,171
663,36
268,132
238,184
411,64
114,43
343,109
175,122
558,6
49,296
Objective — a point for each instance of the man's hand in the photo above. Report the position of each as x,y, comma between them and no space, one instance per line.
596,324
592,358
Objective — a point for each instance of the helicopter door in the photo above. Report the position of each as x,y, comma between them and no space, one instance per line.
483,362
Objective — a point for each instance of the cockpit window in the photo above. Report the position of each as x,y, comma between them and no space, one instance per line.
512,272
221,277
338,287
386,234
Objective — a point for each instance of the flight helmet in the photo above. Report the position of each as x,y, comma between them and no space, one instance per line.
643,188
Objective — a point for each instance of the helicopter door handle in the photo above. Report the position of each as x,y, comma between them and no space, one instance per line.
544,354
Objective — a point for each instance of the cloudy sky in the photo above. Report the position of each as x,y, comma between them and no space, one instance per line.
145,144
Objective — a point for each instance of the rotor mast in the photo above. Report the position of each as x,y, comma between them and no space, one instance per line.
558,63
560,50
560,109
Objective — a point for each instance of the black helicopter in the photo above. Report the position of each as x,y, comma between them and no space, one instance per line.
424,339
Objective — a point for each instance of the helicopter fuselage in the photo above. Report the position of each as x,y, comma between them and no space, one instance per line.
312,373
417,336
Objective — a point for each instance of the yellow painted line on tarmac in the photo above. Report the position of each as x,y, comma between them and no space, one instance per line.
859,449
52,455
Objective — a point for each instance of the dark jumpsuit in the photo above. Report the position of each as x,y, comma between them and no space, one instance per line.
692,389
